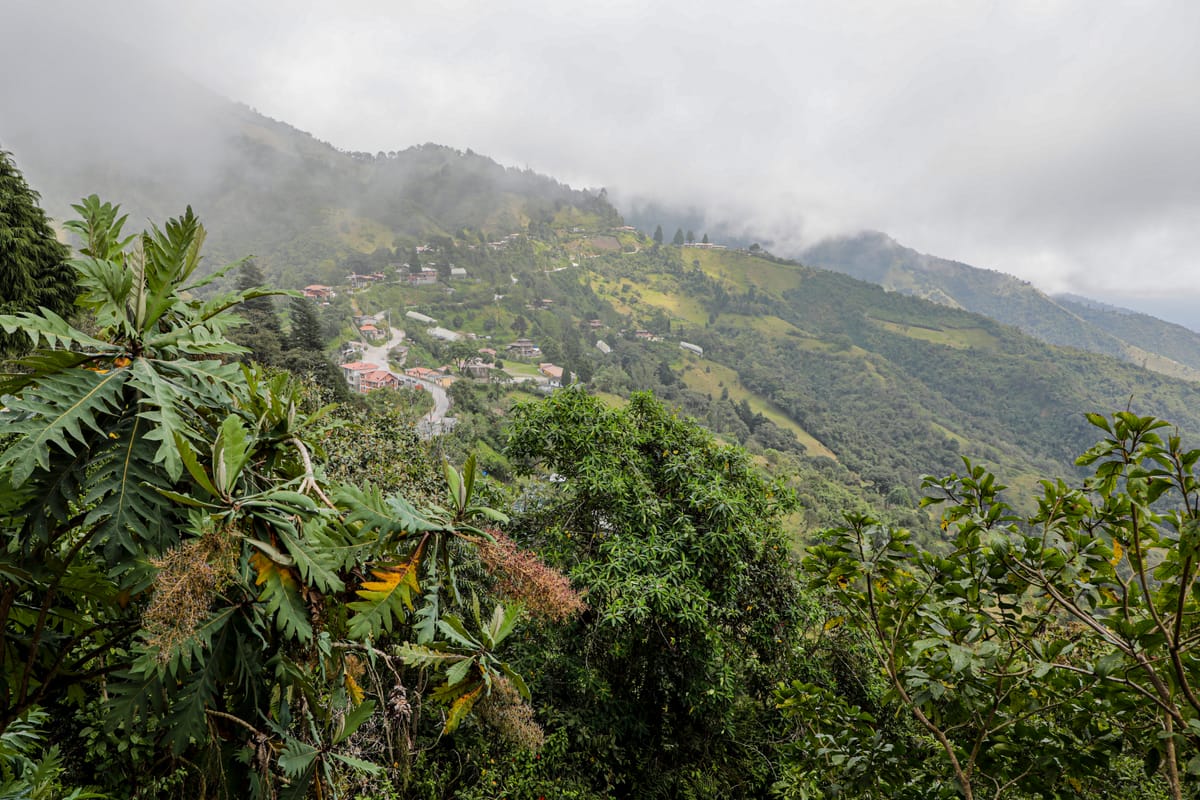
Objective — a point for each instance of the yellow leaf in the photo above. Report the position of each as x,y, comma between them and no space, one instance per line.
1118,551
833,622
390,579
353,689
264,567
461,707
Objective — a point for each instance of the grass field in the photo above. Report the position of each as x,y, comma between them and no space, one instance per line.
719,377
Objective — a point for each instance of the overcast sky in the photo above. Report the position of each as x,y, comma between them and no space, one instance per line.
1058,141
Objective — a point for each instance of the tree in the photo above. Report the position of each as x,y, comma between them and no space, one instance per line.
1038,648
691,237
678,240
705,240
261,332
679,544
305,327
658,234
33,263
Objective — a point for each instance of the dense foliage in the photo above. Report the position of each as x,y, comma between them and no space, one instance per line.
180,574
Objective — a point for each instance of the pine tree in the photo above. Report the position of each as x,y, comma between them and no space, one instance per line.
678,236
261,332
705,240
306,326
658,235
33,264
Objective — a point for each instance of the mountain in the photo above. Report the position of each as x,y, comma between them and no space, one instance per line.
875,257
859,390
157,142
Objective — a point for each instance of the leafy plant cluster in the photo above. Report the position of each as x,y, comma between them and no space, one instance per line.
177,563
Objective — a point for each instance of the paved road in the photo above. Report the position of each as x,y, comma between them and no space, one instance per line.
378,354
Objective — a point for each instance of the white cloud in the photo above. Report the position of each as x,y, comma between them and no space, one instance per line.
1052,140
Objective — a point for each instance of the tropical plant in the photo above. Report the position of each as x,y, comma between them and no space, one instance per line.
173,552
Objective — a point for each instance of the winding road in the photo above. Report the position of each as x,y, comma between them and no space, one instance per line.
433,422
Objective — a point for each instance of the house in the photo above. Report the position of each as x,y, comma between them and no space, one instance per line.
422,373
692,348
594,324
354,372
418,317
477,369
423,277
318,292
377,379
488,354
553,372
524,348
370,332
357,281
603,347
444,334
458,273
648,336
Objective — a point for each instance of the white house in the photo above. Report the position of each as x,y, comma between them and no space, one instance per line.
419,317
445,334
692,348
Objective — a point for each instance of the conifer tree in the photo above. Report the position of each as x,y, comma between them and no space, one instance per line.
678,236
306,327
33,263
261,331
658,235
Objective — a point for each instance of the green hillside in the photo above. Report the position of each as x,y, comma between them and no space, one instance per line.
879,387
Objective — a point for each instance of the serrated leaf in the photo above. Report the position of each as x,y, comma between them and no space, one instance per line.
353,720
417,655
296,757
230,453
353,690
460,708
386,597
516,679
56,414
458,672
358,764
453,628
455,485
280,591
316,567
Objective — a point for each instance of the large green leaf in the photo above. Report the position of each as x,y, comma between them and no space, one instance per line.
57,414
124,506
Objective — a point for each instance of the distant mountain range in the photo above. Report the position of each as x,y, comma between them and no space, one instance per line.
1066,320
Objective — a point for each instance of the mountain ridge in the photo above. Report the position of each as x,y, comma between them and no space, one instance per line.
880,259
